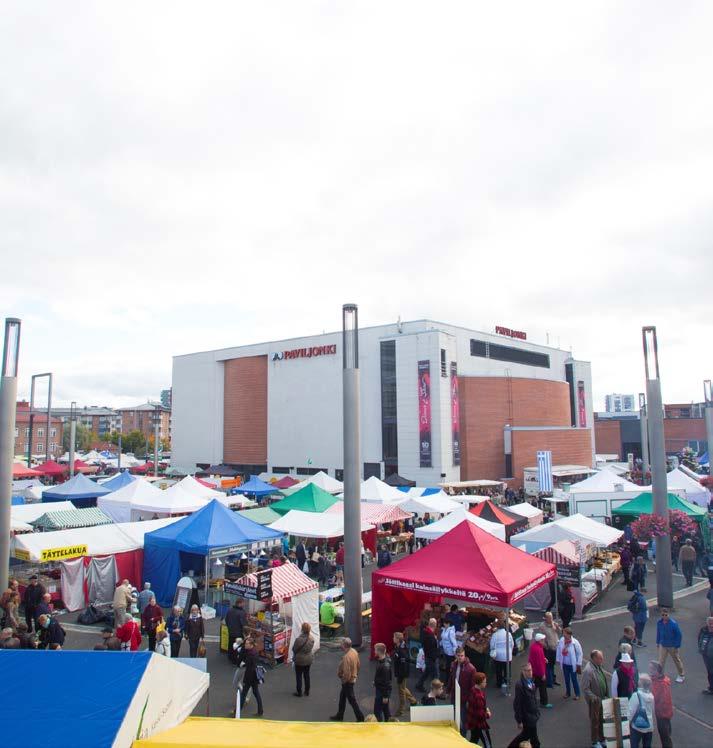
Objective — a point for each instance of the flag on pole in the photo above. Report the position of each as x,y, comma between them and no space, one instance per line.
544,471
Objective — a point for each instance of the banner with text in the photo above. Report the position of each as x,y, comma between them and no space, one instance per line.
582,405
544,471
424,412
455,413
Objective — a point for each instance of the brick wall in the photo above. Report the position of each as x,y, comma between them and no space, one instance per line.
678,431
607,437
245,410
487,404
571,447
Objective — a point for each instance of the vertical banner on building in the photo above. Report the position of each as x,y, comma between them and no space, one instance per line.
424,412
455,413
582,405
544,471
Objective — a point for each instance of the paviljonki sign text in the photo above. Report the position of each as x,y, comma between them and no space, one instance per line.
312,352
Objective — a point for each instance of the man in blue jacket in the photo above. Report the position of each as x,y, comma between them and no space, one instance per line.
638,608
668,640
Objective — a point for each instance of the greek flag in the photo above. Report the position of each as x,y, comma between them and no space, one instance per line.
544,471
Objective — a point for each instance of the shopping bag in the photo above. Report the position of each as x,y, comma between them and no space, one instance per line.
420,660
201,651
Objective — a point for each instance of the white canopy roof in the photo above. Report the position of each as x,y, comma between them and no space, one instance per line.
321,480
436,529
437,503
605,481
482,483
313,525
174,500
375,490
31,512
119,504
694,491
190,484
525,509
576,527
103,540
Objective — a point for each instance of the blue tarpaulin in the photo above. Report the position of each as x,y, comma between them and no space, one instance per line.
119,481
256,487
17,500
81,491
183,545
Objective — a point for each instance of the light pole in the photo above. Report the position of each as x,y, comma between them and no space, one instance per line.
644,423
118,460
35,377
72,436
156,424
708,397
657,457
352,474
8,404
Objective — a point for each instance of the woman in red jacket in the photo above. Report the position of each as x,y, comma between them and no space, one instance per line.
129,634
539,668
477,712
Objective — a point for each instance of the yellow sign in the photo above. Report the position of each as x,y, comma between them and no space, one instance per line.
57,554
22,555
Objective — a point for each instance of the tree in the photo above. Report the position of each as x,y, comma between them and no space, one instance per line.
134,441
84,437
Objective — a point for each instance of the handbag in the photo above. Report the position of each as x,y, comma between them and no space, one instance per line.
260,673
201,651
421,660
641,719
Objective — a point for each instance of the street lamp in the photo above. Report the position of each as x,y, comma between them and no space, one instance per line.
35,377
72,436
8,404
657,457
156,424
708,398
644,424
352,473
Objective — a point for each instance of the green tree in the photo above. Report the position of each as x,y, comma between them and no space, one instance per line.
134,442
84,437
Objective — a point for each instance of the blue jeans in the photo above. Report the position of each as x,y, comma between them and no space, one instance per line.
642,739
639,628
570,680
381,709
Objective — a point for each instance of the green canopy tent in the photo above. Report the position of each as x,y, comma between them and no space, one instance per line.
70,519
644,504
263,515
311,498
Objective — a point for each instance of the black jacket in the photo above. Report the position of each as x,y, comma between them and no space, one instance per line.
249,657
235,620
429,644
33,595
525,703
383,676
53,634
301,554
194,628
401,662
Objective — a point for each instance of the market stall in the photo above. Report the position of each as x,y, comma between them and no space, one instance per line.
118,481
287,481
381,515
436,529
437,503
81,491
512,522
311,498
256,488
19,471
275,621
576,527
263,515
321,480
695,492
373,489
68,519
193,544
52,469
465,564
325,526
599,494
532,513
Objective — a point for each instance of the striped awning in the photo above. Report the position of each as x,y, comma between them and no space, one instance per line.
374,514
71,518
287,581
564,552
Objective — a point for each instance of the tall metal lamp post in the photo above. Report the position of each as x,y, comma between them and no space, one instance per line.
657,457
708,397
8,404
352,474
156,425
35,377
644,422
72,436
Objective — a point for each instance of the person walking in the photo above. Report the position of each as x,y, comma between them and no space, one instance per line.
301,554
525,708
638,574
128,632
625,559
594,685
628,638
449,644
462,672
33,596
150,619
624,678
552,631
383,557
402,667
705,647
501,646
383,678
248,656
429,643
477,712
641,714
569,657
566,606
348,673
663,703
176,625
144,597
639,609
687,560
627,649
303,657
668,641
195,631
163,646
235,620
538,661
122,601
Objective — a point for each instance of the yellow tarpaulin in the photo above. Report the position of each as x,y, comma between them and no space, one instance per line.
210,732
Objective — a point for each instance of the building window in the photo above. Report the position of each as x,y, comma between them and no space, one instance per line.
40,432
389,436
39,446
444,367
17,432
53,447
498,352
27,446
53,432
27,430
280,470
310,471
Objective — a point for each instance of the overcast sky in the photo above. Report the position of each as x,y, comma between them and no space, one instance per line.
178,177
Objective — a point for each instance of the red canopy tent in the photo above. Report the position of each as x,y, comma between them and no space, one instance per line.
494,513
286,482
467,564
52,468
20,471
82,467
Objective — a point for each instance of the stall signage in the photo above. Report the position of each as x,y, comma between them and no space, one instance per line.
311,352
22,555
518,334
56,554
261,593
568,574
228,550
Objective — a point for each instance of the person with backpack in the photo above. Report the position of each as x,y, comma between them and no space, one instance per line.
51,633
641,714
705,648
639,609
129,634
638,574
401,672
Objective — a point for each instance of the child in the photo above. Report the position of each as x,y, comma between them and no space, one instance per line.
163,646
429,699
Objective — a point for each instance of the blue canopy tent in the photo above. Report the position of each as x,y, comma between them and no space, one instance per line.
81,491
191,542
17,500
119,481
704,459
115,697
256,487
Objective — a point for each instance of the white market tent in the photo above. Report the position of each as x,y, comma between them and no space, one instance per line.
577,527
30,512
375,490
693,490
533,514
436,503
313,525
142,500
321,480
297,597
604,481
436,529
482,483
190,484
